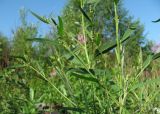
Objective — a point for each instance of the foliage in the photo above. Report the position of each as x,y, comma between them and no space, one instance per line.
22,33
80,73
4,51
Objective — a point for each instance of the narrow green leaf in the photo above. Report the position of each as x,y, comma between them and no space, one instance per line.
43,19
147,61
127,33
106,47
60,26
145,64
54,21
44,40
156,21
84,77
95,72
82,73
156,56
70,54
85,74
85,14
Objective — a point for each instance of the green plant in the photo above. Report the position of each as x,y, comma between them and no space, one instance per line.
82,74
89,84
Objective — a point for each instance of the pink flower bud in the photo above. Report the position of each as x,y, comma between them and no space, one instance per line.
82,39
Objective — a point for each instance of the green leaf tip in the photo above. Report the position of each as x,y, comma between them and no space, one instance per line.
116,1
156,21
85,14
41,18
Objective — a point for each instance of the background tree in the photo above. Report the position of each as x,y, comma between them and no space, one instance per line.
101,12
20,44
4,51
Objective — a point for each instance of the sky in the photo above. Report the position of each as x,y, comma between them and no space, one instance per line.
9,13
144,10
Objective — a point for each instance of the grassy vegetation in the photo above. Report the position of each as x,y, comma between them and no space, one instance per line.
78,73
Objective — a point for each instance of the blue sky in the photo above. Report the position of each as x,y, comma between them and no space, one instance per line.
144,10
9,13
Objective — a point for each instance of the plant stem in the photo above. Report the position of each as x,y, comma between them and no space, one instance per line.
117,34
121,78
84,35
44,77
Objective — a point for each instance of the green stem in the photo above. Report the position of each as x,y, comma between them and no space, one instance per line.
121,79
117,34
43,76
84,34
